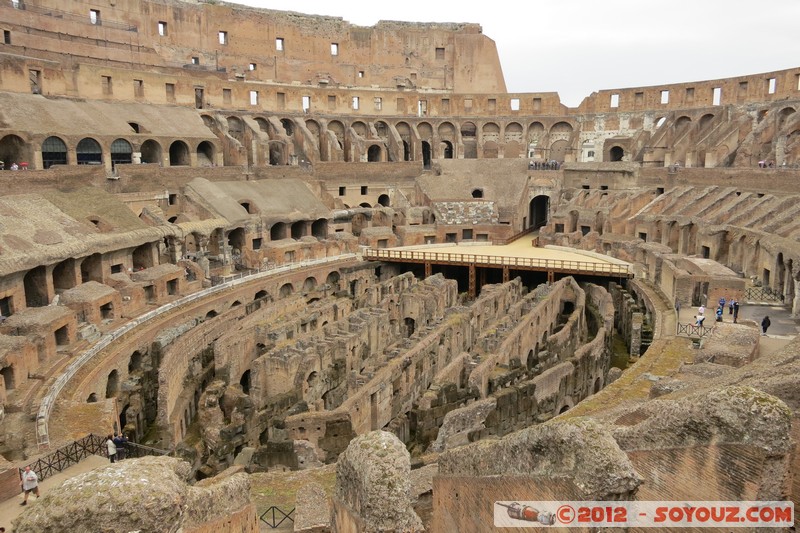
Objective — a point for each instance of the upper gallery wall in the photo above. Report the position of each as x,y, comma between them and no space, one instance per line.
227,56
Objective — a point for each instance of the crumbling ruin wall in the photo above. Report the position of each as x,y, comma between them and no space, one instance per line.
373,486
532,334
732,443
122,497
575,460
534,400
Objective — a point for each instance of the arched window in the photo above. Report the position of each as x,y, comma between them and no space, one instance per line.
89,152
121,152
54,152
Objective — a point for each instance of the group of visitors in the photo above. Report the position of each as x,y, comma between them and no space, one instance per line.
116,447
544,165
14,166
733,310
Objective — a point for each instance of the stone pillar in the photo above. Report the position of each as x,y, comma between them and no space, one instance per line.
796,302
373,487
636,334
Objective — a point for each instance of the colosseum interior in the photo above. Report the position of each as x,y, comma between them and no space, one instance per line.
326,268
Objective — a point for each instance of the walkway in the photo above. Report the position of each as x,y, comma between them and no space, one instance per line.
10,509
520,255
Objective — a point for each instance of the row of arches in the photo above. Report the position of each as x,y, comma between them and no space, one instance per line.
89,151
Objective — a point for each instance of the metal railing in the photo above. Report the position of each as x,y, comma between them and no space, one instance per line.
67,456
48,401
75,452
134,450
692,330
762,294
275,516
584,267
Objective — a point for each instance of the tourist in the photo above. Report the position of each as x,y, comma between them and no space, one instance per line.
30,483
120,442
735,311
719,313
112,449
730,305
698,320
765,325
701,310
14,166
722,302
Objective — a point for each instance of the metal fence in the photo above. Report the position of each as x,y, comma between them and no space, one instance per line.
77,451
691,330
67,456
762,294
275,516
133,450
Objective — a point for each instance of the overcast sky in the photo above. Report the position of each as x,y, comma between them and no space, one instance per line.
576,47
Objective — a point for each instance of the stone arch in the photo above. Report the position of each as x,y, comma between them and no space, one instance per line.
535,131
89,152
278,231
558,150
235,128
135,362
682,122
319,228
179,154
309,284
446,149
54,152
142,257
14,150
286,290
425,130
64,275
469,140
447,130
375,153
426,155
245,382
112,384
784,114
705,120
562,128
205,154
288,126
333,279
263,124
616,153
298,229
151,152
337,128
404,131
121,153
383,200
538,211
35,285
361,129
